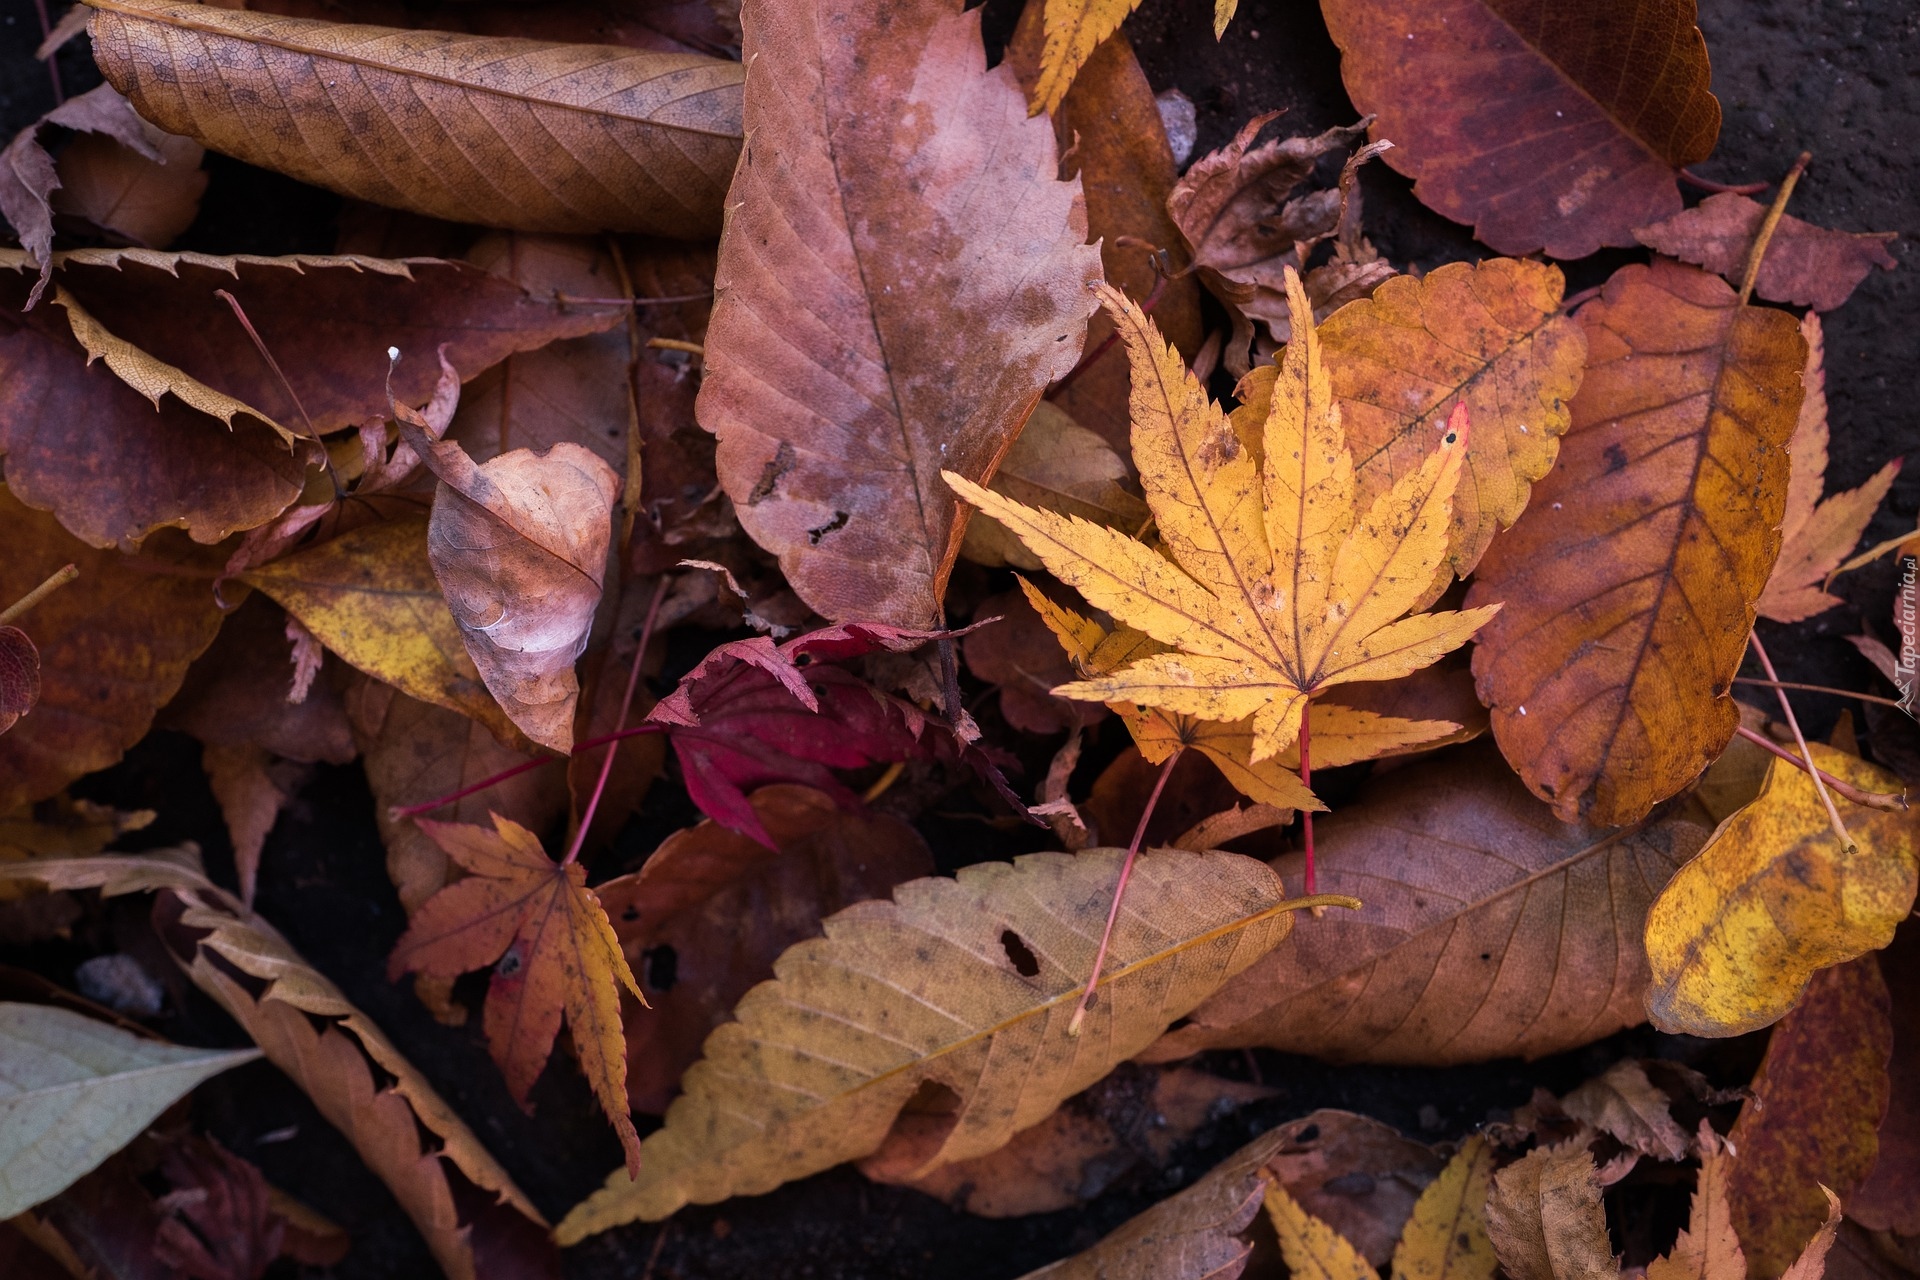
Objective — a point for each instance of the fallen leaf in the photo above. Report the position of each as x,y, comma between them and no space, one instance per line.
1096,1138
221,1225
1109,129
1446,1236
29,177
668,26
1772,897
1488,335
307,1027
75,1091
1198,1234
201,427
1489,928
114,645
1889,1199
711,909
973,980
1543,128
519,547
535,135
1817,1100
1805,265
1073,30
251,797
19,676
238,694
553,953
1020,655
1362,1178
1816,537
1058,465
607,669
138,198
371,597
1631,578
752,713
1709,1249
1313,1250
1812,1262
1621,1101
416,752
835,417
1545,1220
1279,586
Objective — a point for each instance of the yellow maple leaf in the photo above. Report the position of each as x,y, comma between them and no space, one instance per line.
1274,584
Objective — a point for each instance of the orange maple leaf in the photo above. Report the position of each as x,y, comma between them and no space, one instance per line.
556,953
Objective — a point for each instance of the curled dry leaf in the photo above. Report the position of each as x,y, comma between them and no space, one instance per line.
1631,579
114,646
1093,1140
19,676
1489,928
201,428
1808,1131
1621,1101
221,1224
1816,537
836,415
1806,265
309,1029
1773,897
1058,465
1109,128
535,135
1281,582
74,1091
1489,336
519,547
1709,1249
552,950
1446,1236
959,988
138,198
711,909
370,596
1543,127
1545,1218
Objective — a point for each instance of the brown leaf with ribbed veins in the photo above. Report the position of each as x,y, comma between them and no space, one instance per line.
1806,265
148,201
1546,1220
530,134
19,676
1630,582
1544,125
1059,465
114,646
710,911
1621,1101
837,380
519,547
1490,929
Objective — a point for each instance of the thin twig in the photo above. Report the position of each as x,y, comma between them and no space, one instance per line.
259,344
1774,214
626,705
633,481
1120,892
1793,723
1818,688
56,580
567,300
1693,179
1869,799
53,60
677,344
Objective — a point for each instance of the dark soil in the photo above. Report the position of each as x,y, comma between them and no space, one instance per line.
1837,77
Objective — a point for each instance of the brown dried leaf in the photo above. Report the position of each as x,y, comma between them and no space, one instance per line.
19,676
1630,580
1889,1199
1708,1249
1489,928
1623,1102
709,912
251,797
1109,128
239,693
519,546
1806,265
1020,655
1817,1101
535,135
134,196
1545,126
837,380
114,645
1546,1219
1057,464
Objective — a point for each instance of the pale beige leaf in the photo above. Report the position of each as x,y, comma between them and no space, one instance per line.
1057,464
1708,1249
1624,1103
1545,1217
73,1091
926,992
530,134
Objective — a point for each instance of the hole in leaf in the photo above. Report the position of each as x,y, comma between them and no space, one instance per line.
510,963
663,967
1018,954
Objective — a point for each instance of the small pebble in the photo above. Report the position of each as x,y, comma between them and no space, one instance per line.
118,982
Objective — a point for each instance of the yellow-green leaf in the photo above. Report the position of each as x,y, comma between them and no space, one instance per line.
1446,1238
1313,1250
